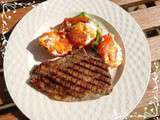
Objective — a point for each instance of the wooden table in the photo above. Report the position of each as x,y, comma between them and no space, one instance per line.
145,12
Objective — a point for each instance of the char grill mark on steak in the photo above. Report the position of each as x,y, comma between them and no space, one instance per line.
81,76
92,77
73,74
94,68
87,72
72,77
59,89
61,80
39,85
64,62
66,78
97,62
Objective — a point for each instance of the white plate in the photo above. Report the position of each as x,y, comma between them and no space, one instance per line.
127,92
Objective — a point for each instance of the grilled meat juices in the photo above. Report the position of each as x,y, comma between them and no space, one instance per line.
75,77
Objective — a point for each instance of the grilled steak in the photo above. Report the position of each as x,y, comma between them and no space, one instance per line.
75,77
